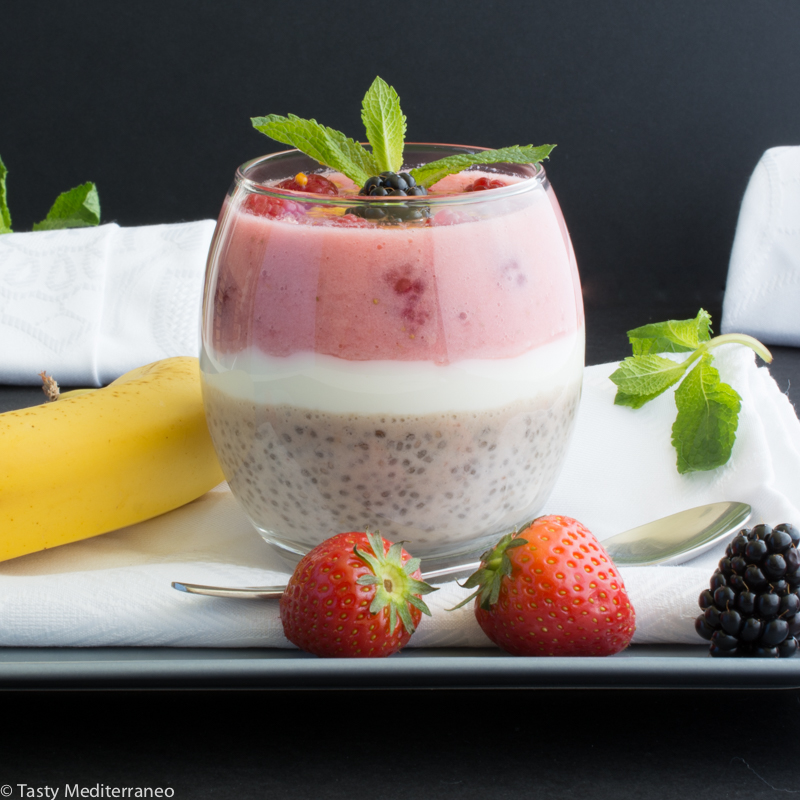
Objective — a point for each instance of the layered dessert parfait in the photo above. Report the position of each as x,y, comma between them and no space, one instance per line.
407,361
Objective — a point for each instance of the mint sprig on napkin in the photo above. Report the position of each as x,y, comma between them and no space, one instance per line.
5,215
385,125
77,208
708,409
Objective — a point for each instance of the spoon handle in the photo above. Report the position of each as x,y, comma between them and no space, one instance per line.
245,593
273,592
670,540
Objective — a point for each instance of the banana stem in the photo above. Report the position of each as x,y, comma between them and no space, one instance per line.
49,387
52,390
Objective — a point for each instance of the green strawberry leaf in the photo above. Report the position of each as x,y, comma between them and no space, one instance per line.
395,589
5,214
77,208
433,172
385,125
672,336
325,145
495,565
708,415
639,379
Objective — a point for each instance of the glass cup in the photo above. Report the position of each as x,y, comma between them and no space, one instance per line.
410,365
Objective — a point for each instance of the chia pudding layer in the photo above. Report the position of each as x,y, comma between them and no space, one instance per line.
416,376
445,483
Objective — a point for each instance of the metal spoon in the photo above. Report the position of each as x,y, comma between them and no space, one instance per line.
669,540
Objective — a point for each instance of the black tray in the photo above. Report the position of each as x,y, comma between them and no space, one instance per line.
638,667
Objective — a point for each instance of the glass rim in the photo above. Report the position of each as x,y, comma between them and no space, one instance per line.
526,184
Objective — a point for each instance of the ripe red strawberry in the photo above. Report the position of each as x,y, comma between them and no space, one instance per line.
355,595
552,590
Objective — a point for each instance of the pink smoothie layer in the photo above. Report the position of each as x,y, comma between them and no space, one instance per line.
477,281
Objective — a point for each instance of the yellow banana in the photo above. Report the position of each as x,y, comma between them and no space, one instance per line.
100,460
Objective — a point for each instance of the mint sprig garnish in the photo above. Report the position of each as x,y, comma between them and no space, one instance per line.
708,409
77,208
433,172
326,145
385,125
386,129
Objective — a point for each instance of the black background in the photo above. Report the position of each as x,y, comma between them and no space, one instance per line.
660,112
412,745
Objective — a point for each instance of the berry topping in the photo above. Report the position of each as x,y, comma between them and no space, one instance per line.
312,184
349,220
481,184
752,606
392,184
265,206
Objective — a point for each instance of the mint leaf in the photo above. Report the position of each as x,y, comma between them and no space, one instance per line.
672,336
708,410
386,130
5,214
77,208
430,173
708,415
326,145
385,125
641,378
633,400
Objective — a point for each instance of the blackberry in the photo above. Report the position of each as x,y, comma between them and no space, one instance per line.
392,184
752,605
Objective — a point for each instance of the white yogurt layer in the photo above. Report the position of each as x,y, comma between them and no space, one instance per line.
334,385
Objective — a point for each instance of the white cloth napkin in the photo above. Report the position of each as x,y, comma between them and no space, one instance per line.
620,473
762,293
89,304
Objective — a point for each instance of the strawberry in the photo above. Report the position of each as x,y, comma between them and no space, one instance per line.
312,184
275,207
356,596
552,590
481,184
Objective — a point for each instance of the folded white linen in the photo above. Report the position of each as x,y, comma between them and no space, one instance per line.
620,472
763,287
89,304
